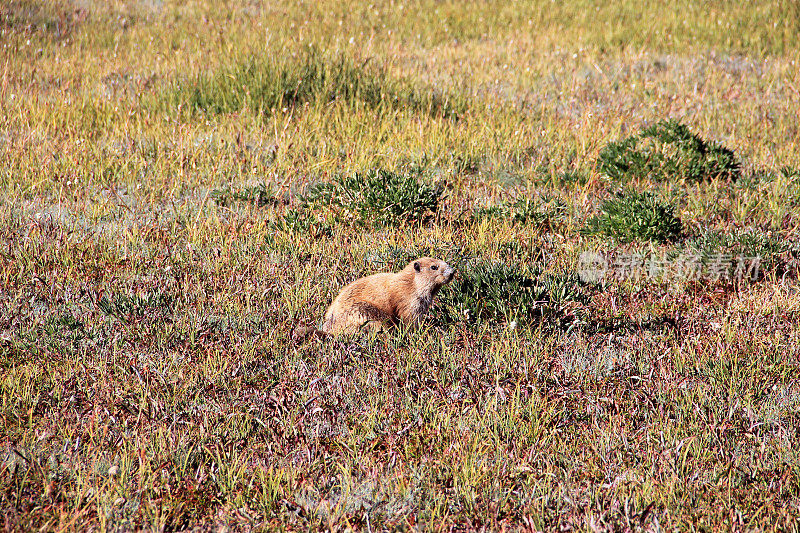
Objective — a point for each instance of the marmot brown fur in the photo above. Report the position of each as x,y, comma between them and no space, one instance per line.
385,299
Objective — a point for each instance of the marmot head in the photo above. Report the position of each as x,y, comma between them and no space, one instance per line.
431,274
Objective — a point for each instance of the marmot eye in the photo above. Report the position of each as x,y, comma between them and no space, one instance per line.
434,267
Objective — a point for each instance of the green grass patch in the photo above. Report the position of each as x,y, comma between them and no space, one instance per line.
377,197
667,151
544,212
264,86
790,172
740,245
134,307
572,178
632,216
301,221
259,195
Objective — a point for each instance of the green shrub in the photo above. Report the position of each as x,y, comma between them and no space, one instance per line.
265,85
667,151
632,216
506,291
378,197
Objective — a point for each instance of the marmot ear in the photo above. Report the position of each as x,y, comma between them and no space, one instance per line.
416,266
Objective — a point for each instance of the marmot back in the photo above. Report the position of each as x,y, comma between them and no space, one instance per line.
381,300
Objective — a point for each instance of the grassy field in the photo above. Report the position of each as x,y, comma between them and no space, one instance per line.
183,185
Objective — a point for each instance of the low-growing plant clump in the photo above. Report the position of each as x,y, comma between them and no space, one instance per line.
667,151
571,177
747,244
636,216
377,197
130,307
259,195
506,292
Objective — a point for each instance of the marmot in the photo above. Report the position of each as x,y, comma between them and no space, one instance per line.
385,299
